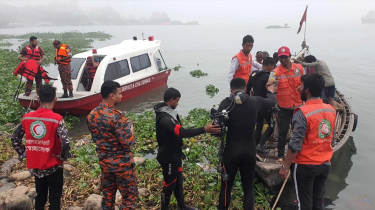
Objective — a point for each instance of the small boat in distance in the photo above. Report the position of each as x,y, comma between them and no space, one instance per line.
135,64
277,26
369,18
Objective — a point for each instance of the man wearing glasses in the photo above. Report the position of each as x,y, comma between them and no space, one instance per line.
287,79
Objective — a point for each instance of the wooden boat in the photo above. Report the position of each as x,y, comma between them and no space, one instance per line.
135,64
346,122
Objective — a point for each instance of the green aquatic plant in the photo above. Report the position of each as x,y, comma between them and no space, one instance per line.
198,73
211,90
176,68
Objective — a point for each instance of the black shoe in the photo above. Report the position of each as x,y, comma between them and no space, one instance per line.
70,94
65,95
187,208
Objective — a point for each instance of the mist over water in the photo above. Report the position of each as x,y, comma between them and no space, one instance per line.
335,34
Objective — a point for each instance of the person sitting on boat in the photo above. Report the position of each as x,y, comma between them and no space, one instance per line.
240,152
47,147
287,76
242,61
321,68
276,58
169,134
33,51
113,135
257,82
89,72
257,63
310,148
63,57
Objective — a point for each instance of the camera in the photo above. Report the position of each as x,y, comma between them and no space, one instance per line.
219,118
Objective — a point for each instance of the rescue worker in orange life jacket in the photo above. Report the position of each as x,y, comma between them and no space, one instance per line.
310,148
47,146
287,76
240,67
89,72
33,51
63,56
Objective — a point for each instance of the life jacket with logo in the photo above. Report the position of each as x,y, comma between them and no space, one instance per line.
288,81
61,53
43,145
29,69
317,147
244,68
30,54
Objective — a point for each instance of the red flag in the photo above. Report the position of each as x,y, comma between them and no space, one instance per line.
302,20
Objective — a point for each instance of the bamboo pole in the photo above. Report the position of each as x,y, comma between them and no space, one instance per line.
282,188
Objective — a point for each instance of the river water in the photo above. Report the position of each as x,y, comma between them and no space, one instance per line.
347,49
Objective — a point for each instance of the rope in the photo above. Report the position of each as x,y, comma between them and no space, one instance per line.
282,188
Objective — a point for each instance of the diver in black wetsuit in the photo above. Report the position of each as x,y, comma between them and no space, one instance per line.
257,82
240,149
169,134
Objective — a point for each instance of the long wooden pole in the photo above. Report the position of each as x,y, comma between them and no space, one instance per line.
282,189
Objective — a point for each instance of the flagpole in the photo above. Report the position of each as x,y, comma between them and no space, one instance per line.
304,36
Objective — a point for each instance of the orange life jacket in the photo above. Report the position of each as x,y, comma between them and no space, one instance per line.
91,71
288,81
29,69
316,147
244,69
33,54
42,141
61,53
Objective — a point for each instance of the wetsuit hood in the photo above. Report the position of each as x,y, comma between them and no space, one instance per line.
162,107
261,72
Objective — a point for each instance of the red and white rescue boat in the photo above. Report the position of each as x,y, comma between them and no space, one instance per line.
135,64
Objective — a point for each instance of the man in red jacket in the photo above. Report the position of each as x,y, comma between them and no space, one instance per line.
47,146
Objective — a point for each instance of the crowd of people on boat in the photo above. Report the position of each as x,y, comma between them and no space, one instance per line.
257,90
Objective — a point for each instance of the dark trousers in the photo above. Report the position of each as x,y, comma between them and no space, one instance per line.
309,183
246,164
51,185
263,115
173,179
285,117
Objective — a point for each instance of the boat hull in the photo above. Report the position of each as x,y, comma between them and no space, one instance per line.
84,104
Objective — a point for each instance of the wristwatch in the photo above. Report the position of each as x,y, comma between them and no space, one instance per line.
284,168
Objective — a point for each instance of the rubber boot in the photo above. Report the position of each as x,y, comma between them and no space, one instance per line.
165,201
70,94
65,95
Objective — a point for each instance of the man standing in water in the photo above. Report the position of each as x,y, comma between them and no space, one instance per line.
240,67
33,51
287,76
169,134
239,152
47,146
310,148
63,58
113,135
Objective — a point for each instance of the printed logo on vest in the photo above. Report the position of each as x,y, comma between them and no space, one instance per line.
324,129
296,71
38,129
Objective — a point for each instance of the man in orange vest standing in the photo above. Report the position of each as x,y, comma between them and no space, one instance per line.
287,78
33,51
242,61
47,146
310,148
63,56
89,72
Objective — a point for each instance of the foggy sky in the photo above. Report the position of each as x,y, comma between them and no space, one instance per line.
263,13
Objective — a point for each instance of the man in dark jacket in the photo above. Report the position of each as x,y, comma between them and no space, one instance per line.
240,150
169,134
258,81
